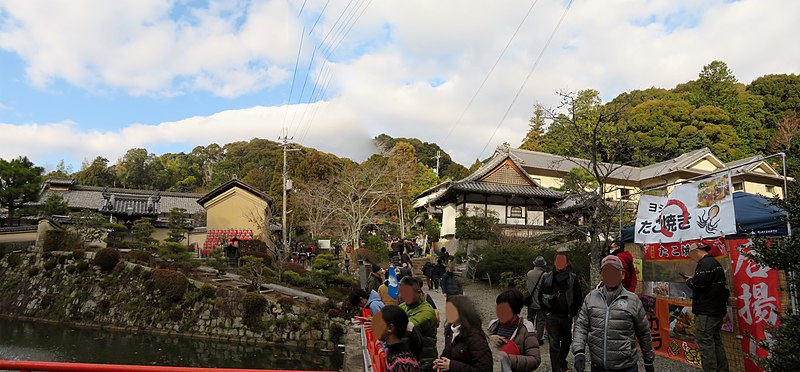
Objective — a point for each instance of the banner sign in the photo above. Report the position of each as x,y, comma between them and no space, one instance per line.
680,250
703,209
393,288
757,300
672,327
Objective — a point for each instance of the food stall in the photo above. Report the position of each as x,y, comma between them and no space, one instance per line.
756,295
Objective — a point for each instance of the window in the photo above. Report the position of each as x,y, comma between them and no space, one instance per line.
771,189
738,186
625,193
516,212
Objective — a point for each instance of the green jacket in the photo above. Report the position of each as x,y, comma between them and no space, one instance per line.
373,283
422,314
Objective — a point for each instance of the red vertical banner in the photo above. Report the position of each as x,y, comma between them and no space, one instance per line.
757,300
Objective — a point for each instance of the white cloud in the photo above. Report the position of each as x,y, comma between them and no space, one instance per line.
135,46
385,67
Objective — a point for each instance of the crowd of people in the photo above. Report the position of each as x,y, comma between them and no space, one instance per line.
606,327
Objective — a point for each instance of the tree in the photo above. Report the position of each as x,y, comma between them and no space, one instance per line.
20,182
357,193
55,205
178,223
62,171
655,126
402,164
96,174
585,128
142,232
718,84
783,254
89,225
578,181
317,214
254,271
533,140
139,169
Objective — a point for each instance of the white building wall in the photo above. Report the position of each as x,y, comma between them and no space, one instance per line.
449,214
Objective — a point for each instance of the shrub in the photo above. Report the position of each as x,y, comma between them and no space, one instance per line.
71,269
377,246
14,260
50,264
62,259
208,290
171,283
175,314
139,255
33,271
253,306
61,240
342,281
294,278
106,258
295,267
78,254
82,266
116,234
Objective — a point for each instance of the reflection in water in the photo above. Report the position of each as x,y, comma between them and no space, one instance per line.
44,342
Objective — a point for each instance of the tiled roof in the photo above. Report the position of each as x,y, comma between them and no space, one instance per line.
91,197
19,228
541,160
230,184
503,189
535,159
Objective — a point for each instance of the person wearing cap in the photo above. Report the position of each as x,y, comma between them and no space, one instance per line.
611,322
562,297
618,249
533,287
709,305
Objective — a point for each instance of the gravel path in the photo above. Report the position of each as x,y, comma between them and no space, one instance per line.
484,298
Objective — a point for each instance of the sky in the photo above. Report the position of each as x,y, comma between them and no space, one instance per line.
80,79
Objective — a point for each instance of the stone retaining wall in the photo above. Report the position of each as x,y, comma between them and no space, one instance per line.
75,292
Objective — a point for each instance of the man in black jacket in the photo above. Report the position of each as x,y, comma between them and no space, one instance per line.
709,304
561,296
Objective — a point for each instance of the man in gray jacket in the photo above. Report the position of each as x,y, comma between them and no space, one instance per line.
610,322
534,285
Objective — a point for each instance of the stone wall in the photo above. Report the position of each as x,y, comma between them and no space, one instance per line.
59,287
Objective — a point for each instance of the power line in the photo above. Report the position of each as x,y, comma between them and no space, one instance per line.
335,23
533,68
343,26
471,100
348,30
294,76
302,7
318,17
324,88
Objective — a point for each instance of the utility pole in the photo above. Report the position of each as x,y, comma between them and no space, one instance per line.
285,144
438,155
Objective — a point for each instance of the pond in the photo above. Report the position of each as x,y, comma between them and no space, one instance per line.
58,343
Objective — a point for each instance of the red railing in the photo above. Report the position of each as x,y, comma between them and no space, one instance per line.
30,366
377,354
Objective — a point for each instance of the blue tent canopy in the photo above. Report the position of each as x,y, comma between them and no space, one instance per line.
755,215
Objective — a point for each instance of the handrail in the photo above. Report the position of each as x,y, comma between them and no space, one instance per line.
30,366
377,356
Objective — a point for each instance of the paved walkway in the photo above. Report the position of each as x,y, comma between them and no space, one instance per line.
484,298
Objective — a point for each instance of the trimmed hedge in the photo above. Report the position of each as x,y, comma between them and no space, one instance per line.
172,284
106,258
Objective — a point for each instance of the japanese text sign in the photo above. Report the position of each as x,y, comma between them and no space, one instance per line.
757,300
698,210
